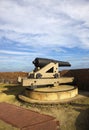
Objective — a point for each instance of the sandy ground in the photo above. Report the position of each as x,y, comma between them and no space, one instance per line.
72,116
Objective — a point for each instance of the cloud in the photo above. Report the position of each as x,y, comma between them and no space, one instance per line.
14,52
47,22
47,28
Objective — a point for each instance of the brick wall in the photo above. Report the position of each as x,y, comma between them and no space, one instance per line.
11,77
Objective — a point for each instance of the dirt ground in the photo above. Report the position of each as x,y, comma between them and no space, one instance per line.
72,116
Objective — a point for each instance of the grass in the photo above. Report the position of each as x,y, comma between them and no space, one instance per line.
8,93
5,126
72,116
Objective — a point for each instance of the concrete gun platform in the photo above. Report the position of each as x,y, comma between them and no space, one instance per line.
24,119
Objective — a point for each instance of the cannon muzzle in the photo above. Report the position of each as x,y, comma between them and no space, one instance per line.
41,62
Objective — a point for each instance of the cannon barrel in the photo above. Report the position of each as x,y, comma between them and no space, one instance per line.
41,62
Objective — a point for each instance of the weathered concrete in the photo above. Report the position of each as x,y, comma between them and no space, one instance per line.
50,95
58,93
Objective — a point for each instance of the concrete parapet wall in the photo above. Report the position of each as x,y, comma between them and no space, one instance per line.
81,77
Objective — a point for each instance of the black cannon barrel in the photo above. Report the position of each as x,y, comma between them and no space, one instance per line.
41,62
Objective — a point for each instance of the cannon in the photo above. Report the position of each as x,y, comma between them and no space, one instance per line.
41,62
44,84
46,73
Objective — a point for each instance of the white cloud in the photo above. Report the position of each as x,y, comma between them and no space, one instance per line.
13,52
18,53
43,28
57,20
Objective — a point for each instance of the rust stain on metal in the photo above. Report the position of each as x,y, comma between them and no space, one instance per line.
26,119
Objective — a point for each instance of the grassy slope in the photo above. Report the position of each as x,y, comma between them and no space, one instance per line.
72,116
5,126
8,93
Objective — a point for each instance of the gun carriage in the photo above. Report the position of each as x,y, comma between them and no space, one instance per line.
44,83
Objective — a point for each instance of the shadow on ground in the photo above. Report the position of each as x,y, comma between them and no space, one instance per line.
82,121
13,90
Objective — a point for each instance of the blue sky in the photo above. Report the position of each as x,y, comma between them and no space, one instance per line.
56,29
